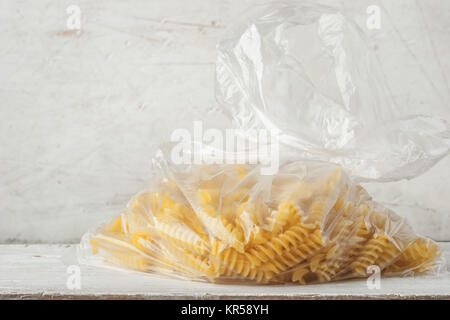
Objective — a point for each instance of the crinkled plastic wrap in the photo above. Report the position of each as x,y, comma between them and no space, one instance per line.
305,71
308,223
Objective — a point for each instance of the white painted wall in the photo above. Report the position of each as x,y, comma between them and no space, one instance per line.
81,115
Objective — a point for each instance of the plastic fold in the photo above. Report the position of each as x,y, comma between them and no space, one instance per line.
307,73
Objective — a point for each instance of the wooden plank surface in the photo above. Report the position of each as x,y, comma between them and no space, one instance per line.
41,272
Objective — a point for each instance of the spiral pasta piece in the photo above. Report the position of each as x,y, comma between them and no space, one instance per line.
183,236
217,225
378,251
416,258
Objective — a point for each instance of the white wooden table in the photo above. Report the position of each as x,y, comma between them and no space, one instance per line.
40,271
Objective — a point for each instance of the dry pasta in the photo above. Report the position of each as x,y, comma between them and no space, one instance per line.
309,223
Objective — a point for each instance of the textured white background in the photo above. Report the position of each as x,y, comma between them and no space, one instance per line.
81,115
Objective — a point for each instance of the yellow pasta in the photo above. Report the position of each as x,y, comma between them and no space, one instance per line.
378,251
227,223
182,236
416,258
217,224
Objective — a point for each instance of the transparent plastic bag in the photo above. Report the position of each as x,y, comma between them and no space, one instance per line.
305,71
224,223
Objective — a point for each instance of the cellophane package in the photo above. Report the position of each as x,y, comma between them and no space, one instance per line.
303,72
224,223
